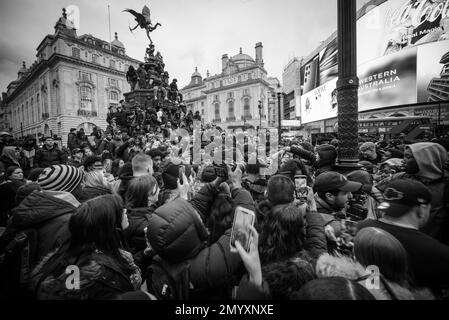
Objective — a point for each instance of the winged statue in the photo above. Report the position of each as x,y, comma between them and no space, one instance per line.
143,21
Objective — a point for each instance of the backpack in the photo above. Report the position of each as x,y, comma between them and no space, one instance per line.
18,257
168,281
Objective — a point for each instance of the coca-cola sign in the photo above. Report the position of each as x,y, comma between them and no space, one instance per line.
415,13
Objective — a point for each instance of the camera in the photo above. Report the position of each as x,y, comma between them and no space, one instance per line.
357,211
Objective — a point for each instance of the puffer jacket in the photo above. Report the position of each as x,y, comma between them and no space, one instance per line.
177,233
100,277
49,212
48,157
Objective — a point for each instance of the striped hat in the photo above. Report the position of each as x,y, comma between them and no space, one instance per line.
60,178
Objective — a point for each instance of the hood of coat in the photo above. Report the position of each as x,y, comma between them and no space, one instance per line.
176,231
338,266
41,206
431,158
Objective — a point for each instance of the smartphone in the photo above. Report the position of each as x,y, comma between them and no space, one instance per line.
221,171
243,218
301,187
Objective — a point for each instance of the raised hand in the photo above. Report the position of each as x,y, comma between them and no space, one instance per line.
251,259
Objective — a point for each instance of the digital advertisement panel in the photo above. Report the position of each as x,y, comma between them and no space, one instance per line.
430,68
320,103
399,24
388,81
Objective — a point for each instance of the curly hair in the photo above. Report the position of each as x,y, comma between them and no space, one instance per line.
286,277
282,233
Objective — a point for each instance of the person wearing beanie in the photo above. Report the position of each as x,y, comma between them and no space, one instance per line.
326,155
49,154
48,211
407,209
170,176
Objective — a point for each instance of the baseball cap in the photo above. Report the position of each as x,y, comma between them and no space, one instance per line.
332,180
402,194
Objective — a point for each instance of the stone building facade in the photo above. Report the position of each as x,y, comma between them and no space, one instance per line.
242,94
71,84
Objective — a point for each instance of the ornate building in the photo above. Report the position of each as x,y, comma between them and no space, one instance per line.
71,84
240,95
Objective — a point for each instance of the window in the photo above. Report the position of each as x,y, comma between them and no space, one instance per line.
217,111
38,106
250,76
113,82
112,64
231,109
85,54
240,78
216,97
202,103
76,53
231,95
202,112
221,83
104,60
86,98
32,109
95,58
246,108
85,76
245,92
113,95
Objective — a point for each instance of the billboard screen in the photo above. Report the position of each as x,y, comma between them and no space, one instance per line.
388,81
400,49
320,103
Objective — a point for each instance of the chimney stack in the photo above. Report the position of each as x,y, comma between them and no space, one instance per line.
259,54
224,62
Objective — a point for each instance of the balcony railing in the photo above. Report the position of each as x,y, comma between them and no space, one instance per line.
217,120
247,117
45,116
87,113
232,118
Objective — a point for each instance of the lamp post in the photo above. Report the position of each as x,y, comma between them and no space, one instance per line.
347,87
260,115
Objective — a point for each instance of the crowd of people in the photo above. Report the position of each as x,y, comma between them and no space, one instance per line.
138,219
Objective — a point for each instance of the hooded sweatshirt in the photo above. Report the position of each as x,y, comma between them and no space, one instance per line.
431,158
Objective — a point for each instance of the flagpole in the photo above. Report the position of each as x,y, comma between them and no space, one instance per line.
109,19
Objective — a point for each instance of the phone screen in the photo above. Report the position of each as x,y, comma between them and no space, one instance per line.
301,186
221,172
243,218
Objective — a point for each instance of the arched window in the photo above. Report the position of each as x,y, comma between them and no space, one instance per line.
217,111
231,109
246,108
86,98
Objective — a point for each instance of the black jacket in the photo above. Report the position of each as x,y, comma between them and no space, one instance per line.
48,157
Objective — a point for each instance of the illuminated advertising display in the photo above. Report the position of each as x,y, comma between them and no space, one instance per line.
402,57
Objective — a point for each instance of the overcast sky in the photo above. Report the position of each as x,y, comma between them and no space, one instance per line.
193,33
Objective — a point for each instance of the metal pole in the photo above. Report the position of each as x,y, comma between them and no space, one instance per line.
347,87
279,118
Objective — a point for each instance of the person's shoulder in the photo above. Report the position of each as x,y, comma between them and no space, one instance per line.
369,223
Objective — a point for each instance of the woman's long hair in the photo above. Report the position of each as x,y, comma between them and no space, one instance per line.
138,190
115,167
97,225
376,247
221,217
283,233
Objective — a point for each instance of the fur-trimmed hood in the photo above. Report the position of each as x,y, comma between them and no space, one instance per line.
100,278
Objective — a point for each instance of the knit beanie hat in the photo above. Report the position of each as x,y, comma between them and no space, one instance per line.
280,190
60,177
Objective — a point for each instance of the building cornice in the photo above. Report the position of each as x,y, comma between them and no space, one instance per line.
224,75
237,85
52,61
203,97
